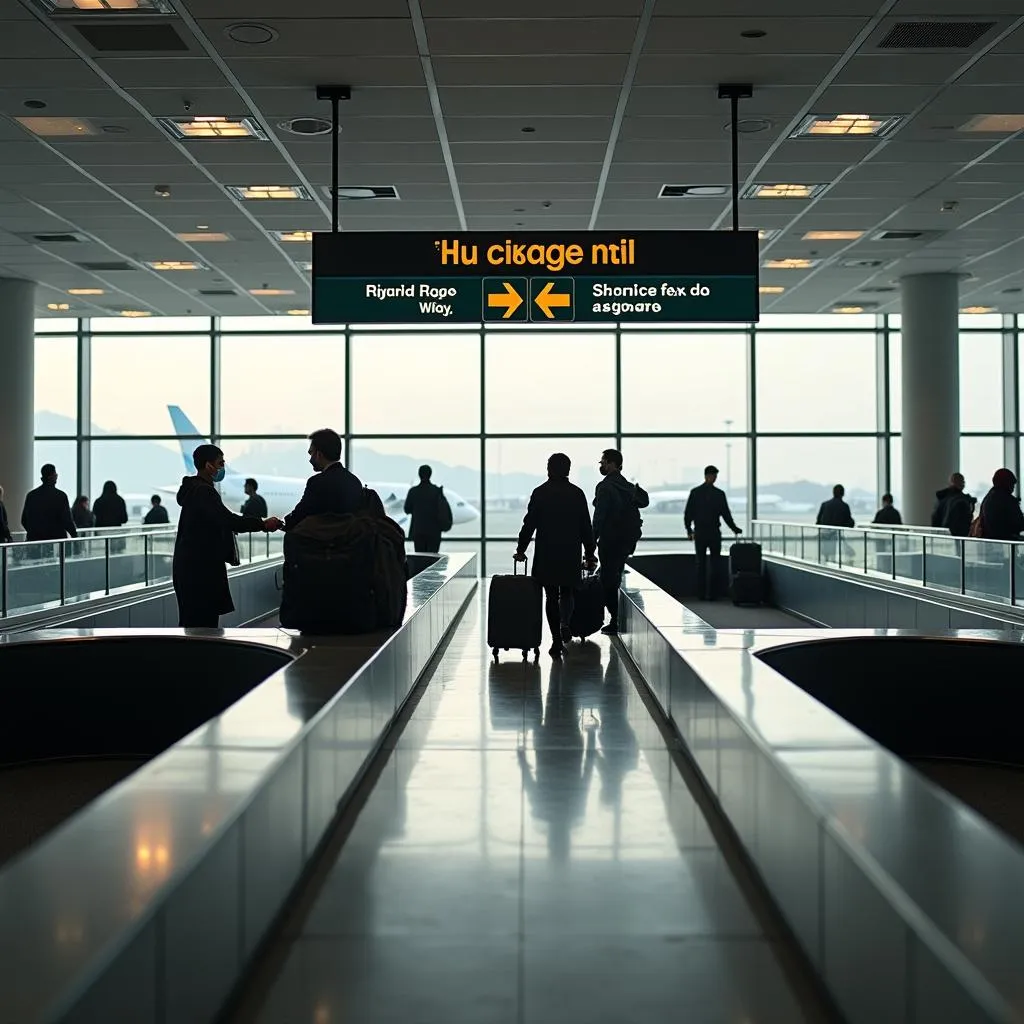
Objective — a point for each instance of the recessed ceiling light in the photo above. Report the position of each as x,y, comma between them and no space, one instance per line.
306,265
1012,291
268,191
56,127
694,191
790,263
135,312
271,291
107,6
994,123
203,236
847,125
753,33
202,227
364,192
833,236
977,310
174,265
209,127
528,129
294,236
768,191
307,126
58,306
86,291
114,129
35,104
749,125
771,289
298,312
847,309
251,33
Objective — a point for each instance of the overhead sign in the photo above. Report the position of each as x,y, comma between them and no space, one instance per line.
377,277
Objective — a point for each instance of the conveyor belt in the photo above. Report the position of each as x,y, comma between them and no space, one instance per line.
530,850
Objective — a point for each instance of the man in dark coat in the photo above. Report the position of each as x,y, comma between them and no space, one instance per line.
109,508
254,506
1001,516
706,507
559,515
954,507
204,544
157,514
333,488
423,504
835,512
47,512
888,514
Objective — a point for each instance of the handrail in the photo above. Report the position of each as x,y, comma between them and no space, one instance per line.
36,575
975,567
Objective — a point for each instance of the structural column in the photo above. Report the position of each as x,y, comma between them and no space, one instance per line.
931,390
17,393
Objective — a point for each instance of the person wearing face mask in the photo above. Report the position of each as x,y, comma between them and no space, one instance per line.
333,488
205,545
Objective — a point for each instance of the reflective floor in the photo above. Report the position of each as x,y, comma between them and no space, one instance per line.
530,853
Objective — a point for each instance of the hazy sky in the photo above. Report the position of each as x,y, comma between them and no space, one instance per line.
542,382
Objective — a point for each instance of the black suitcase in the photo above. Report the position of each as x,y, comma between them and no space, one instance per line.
747,588
744,556
588,608
514,614
327,588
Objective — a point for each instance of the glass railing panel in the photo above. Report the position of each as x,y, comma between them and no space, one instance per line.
987,567
33,576
1018,559
85,569
159,555
881,554
941,568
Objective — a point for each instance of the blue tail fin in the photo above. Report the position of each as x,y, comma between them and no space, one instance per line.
185,428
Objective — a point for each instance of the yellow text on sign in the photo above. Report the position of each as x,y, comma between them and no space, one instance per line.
552,257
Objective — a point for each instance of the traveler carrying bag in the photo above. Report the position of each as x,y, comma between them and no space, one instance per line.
748,588
744,556
444,512
514,614
588,608
328,575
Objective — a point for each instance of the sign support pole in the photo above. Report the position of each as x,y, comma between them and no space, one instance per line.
735,93
334,93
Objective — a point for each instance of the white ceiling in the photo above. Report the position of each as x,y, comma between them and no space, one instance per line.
622,100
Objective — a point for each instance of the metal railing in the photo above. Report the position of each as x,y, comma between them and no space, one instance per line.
992,570
37,575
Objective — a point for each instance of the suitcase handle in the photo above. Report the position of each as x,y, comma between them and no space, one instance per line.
515,567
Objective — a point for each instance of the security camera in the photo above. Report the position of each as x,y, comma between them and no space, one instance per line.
187,104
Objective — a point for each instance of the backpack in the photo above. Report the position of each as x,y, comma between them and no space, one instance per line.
444,511
631,525
390,592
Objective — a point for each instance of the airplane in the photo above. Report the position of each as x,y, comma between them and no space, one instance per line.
673,502
282,493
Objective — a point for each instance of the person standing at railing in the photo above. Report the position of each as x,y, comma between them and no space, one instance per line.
47,512
954,508
1001,516
157,514
835,512
82,514
888,514
5,526
205,543
706,507
254,506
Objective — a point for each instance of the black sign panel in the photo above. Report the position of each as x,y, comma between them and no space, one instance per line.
543,277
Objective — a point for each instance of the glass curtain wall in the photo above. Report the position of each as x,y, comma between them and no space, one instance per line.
784,410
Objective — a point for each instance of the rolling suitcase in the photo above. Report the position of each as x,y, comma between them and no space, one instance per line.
588,609
746,575
514,614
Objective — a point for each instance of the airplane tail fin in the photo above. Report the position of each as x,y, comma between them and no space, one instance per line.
188,434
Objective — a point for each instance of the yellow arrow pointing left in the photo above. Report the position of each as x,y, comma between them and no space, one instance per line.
511,300
548,301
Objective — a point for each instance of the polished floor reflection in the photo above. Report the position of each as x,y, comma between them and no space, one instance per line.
530,853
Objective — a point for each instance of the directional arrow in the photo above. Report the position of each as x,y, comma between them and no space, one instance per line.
511,300
546,301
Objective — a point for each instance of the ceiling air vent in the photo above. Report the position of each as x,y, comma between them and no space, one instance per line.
217,291
51,237
896,236
882,289
127,38
934,35
692,191
107,267
862,264
352,193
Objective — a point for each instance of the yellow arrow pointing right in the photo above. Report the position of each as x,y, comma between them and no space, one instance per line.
511,300
546,301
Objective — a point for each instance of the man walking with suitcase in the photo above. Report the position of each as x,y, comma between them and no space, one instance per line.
705,508
617,528
559,516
